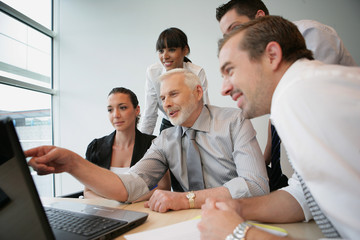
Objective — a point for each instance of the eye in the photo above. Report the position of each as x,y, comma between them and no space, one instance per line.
123,107
161,51
110,110
172,49
229,71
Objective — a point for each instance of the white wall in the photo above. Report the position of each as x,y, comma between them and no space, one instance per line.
109,43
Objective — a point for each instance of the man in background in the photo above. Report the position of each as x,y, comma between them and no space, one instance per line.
321,39
315,107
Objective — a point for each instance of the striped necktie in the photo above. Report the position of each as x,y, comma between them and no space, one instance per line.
321,220
193,162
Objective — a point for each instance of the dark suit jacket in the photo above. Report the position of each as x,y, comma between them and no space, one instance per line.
99,150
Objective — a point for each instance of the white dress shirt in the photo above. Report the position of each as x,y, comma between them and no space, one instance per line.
230,155
316,111
325,43
152,91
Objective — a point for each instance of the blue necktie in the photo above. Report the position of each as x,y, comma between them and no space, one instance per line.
193,163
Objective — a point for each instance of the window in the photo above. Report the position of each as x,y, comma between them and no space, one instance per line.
26,86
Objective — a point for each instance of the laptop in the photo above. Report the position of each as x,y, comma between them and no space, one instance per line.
22,215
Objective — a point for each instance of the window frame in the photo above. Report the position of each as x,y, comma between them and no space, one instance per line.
48,32
11,12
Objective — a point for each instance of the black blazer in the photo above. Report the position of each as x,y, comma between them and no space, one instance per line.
99,150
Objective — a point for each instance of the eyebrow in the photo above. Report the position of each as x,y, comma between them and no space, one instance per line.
170,92
109,106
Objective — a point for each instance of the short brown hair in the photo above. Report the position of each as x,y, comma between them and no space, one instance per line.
260,31
247,8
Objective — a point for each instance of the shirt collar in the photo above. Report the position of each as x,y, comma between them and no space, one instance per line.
202,123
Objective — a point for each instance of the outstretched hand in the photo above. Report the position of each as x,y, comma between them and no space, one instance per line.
50,159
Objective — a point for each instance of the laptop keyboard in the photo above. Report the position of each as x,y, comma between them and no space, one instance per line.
83,224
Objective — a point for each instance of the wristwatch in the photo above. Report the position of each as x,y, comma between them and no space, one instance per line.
191,196
239,232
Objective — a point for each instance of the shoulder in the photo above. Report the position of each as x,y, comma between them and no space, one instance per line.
99,144
228,122
224,112
311,25
192,67
144,136
226,116
102,140
168,134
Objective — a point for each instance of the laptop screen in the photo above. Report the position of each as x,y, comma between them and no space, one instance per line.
21,213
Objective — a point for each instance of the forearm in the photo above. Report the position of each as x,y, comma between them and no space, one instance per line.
254,233
90,194
221,193
165,182
99,180
277,207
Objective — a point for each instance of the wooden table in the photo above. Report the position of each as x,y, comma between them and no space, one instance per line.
301,230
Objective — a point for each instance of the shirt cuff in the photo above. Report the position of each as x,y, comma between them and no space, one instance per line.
238,188
295,190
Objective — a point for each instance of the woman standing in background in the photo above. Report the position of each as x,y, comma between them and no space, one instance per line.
172,47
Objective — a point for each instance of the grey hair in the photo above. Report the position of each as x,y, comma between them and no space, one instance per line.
191,79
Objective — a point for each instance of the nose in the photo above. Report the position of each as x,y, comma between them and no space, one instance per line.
227,87
116,113
165,54
167,103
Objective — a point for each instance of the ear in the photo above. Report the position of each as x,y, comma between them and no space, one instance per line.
137,110
260,13
186,50
273,53
199,92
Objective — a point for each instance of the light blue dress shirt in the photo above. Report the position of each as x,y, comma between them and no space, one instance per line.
230,155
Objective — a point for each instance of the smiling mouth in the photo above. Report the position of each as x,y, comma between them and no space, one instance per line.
167,64
235,95
171,114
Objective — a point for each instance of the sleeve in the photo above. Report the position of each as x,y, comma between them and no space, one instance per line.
252,178
148,120
90,150
204,84
296,191
145,174
142,144
327,46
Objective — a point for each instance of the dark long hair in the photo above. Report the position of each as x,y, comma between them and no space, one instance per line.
172,38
